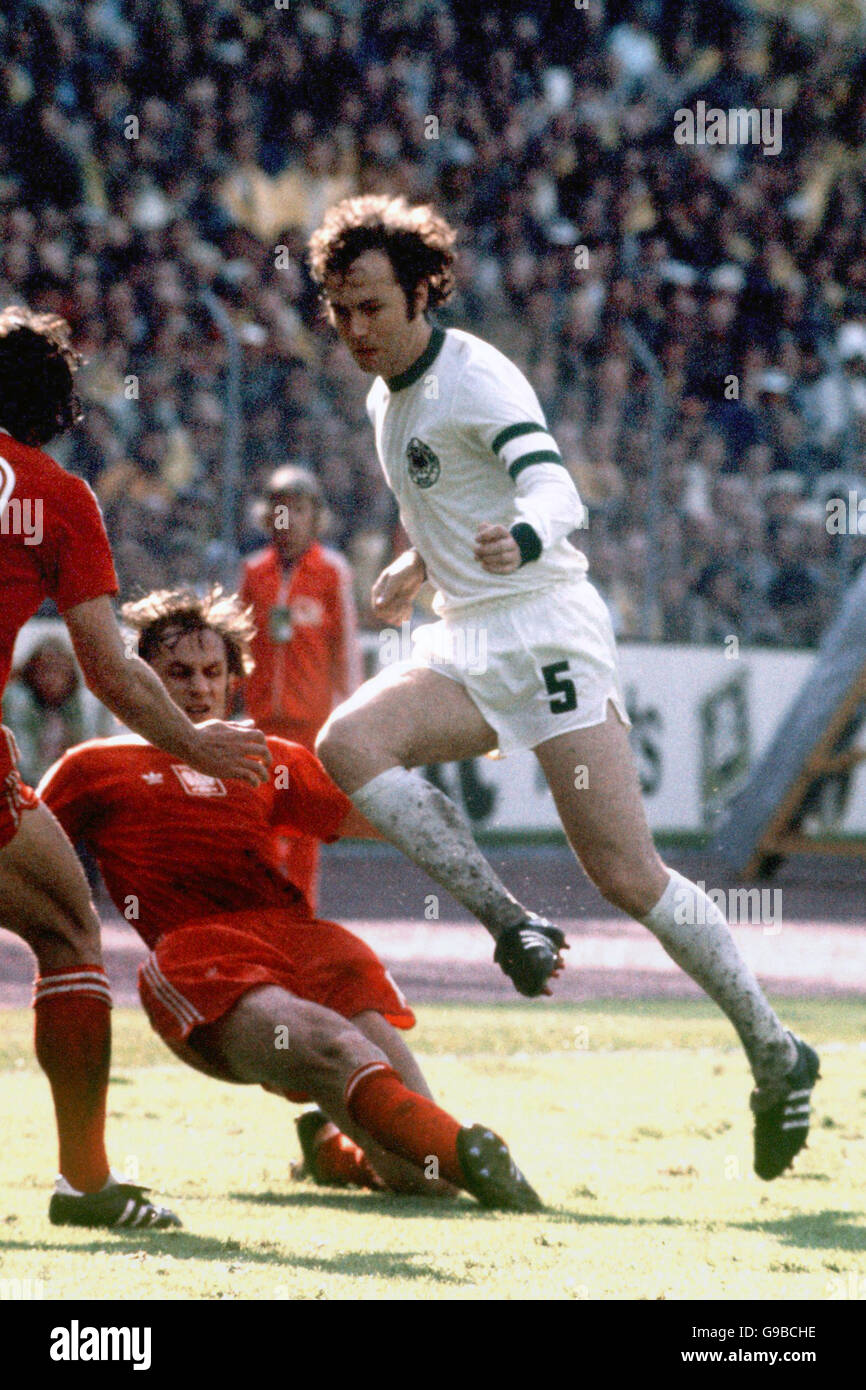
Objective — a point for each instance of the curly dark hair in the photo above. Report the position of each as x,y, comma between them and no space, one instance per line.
164,616
417,241
37,368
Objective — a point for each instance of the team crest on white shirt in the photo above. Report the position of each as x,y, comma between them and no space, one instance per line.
424,466
198,783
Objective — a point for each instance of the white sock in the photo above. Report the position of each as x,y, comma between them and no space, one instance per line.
430,830
695,934
61,1185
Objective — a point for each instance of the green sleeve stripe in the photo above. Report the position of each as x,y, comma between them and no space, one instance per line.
515,431
540,456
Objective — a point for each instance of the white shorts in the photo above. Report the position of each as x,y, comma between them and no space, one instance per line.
535,667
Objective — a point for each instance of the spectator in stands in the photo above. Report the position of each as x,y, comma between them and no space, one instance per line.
48,708
733,265
797,592
723,608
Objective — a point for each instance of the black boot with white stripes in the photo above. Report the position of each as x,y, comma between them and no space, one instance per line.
781,1129
118,1206
530,953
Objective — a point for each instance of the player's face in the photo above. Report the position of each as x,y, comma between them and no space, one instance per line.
195,673
369,311
294,521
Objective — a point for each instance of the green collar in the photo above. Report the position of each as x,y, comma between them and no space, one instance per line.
420,365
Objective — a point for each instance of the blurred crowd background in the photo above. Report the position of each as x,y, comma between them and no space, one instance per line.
155,151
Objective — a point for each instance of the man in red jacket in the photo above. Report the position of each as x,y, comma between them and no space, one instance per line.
307,657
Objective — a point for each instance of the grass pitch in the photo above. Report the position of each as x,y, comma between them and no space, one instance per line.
631,1119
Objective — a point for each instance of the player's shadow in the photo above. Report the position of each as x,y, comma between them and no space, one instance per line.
563,1216
826,1230
381,1264
403,1207
823,1230
182,1245
386,1203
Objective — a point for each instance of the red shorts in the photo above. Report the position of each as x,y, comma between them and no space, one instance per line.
15,795
199,972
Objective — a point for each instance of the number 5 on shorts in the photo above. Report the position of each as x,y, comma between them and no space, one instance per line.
561,687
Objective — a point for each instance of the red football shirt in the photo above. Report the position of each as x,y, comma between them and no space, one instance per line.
175,845
52,542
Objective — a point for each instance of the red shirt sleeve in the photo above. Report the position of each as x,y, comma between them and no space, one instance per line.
305,798
84,568
68,793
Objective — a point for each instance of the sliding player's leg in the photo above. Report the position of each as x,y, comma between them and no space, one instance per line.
45,900
401,720
355,1084
595,785
329,1155
387,1038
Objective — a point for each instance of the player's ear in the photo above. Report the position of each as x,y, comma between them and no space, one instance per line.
420,299
326,309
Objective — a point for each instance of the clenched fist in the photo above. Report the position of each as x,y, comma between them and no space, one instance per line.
395,590
496,548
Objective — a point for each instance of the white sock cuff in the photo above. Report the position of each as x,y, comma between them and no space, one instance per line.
67,1190
392,782
671,906
677,890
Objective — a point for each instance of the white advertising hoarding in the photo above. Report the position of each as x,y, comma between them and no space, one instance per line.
701,718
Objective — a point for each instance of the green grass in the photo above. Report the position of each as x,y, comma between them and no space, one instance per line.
631,1119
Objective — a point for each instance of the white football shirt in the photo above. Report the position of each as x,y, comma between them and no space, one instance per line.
462,440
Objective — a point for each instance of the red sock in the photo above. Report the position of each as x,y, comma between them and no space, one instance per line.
73,1046
402,1121
340,1161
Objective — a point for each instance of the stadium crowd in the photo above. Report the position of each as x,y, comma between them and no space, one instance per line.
156,155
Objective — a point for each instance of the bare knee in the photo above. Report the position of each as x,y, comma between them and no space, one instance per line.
60,934
336,747
353,749
334,1050
76,921
274,1038
634,886
317,1050
57,949
44,896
